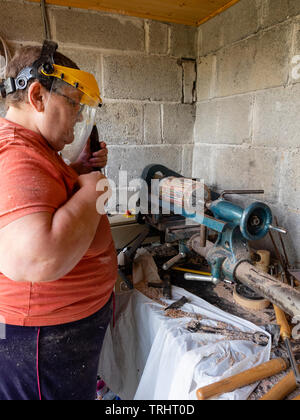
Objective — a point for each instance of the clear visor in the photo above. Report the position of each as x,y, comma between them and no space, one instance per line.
82,132
80,119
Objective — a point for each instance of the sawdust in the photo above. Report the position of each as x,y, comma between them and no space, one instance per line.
178,313
156,295
152,293
162,250
225,292
266,385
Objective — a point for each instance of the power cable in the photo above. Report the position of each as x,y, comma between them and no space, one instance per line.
45,20
5,59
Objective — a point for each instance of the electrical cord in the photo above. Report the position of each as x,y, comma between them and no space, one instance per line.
7,58
45,20
7,55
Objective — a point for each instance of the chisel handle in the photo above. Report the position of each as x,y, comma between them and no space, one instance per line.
285,329
243,379
285,387
95,144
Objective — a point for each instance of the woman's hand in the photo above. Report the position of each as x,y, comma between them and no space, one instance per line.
90,181
87,161
96,185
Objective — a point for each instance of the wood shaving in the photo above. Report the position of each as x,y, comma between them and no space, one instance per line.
178,313
156,295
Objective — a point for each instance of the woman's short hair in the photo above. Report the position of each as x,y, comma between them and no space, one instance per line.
25,57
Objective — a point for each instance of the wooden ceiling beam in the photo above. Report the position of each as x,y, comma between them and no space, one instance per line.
186,12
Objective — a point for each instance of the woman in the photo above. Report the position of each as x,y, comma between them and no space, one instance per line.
57,258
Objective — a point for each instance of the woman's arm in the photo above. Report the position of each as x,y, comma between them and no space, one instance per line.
42,247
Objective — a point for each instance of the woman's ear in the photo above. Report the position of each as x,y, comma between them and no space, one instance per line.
37,96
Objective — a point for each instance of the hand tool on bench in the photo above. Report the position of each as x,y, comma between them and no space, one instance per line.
281,390
166,285
285,332
245,378
178,304
258,338
290,382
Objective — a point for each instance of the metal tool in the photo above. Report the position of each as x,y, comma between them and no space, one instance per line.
125,279
178,304
240,192
258,338
128,254
165,285
292,359
174,261
295,273
283,246
283,261
285,332
201,278
130,250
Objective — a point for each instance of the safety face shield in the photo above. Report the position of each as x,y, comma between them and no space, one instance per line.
79,117
90,100
82,132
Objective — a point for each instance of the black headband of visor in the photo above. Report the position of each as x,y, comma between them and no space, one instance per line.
44,62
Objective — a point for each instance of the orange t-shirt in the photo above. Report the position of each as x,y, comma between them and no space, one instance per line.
34,178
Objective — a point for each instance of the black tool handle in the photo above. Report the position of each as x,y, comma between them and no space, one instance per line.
95,143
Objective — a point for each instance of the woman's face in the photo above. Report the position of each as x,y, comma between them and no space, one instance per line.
61,113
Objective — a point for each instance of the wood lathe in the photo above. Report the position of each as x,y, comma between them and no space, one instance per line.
186,212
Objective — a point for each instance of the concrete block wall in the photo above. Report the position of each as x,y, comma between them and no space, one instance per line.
243,130
247,129
146,71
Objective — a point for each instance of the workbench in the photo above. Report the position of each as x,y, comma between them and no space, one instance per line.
149,356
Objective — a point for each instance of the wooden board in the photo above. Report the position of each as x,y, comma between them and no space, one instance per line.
187,12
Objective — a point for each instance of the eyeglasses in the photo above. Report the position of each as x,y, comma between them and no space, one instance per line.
71,101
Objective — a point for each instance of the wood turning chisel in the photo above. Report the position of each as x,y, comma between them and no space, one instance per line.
248,377
281,390
95,145
285,332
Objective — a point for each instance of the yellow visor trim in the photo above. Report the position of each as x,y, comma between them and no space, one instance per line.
81,80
